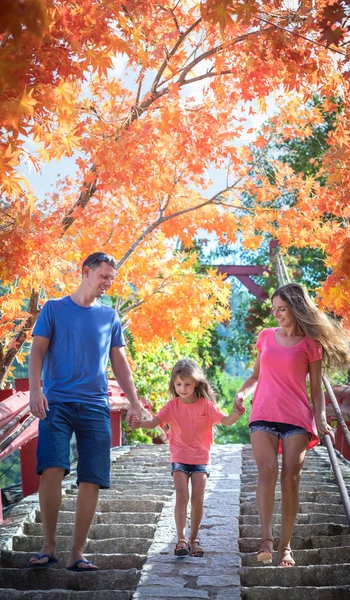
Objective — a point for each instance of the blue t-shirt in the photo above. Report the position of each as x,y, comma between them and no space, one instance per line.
75,365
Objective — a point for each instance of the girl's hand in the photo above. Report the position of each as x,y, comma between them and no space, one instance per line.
135,423
323,427
238,404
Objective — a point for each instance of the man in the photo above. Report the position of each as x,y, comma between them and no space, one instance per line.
73,339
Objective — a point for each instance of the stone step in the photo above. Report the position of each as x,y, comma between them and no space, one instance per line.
59,594
20,560
250,508
300,530
315,575
36,579
299,543
110,545
305,486
99,531
320,556
300,519
131,518
115,496
322,497
131,505
296,593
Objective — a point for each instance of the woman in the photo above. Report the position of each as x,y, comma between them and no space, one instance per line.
282,419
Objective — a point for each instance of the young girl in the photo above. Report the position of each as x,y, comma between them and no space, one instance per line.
190,414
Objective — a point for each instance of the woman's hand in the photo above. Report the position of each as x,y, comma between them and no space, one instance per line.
323,427
238,404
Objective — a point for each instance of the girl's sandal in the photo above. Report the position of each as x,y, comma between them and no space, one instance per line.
264,554
197,551
182,548
286,557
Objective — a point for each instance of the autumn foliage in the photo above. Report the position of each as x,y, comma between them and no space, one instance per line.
157,103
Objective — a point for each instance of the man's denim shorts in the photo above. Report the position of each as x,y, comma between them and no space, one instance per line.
281,430
189,469
91,425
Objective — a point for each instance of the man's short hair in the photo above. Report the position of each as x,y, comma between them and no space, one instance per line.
95,258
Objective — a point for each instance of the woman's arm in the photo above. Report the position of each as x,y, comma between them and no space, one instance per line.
247,388
317,397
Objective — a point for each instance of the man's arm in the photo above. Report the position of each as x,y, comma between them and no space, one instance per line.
37,401
123,375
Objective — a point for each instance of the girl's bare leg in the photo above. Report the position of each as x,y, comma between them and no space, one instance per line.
181,502
265,447
294,450
198,481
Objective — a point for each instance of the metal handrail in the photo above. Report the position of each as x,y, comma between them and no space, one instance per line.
338,477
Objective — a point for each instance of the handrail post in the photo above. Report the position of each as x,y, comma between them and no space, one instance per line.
30,478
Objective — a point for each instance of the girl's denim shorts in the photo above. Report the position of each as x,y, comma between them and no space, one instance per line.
281,430
189,469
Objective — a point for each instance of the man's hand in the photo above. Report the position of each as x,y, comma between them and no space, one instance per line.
133,414
38,404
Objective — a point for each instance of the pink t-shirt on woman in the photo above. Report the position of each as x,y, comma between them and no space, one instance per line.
191,429
281,395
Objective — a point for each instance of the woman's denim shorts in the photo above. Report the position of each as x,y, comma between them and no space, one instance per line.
189,469
281,430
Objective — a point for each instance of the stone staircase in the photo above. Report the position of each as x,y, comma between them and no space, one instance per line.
134,531
321,539
119,538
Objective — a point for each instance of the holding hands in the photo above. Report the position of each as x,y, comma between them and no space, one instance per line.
238,404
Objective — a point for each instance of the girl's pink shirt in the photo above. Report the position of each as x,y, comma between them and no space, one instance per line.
191,429
281,395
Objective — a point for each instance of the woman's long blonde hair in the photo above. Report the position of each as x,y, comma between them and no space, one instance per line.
334,340
189,368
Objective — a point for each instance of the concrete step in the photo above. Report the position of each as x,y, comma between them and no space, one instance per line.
299,543
301,530
20,560
250,508
114,495
315,575
319,497
111,517
59,594
99,531
109,545
305,486
296,593
320,556
124,505
42,579
301,518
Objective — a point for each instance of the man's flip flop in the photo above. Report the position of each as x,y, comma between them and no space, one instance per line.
75,566
52,561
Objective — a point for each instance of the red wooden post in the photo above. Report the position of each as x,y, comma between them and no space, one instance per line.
30,479
116,427
6,393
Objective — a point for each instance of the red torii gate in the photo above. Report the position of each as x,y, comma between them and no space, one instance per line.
243,273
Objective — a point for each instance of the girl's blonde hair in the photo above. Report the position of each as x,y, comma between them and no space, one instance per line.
316,325
189,368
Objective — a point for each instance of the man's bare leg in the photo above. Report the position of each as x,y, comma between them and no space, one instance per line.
50,495
85,511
